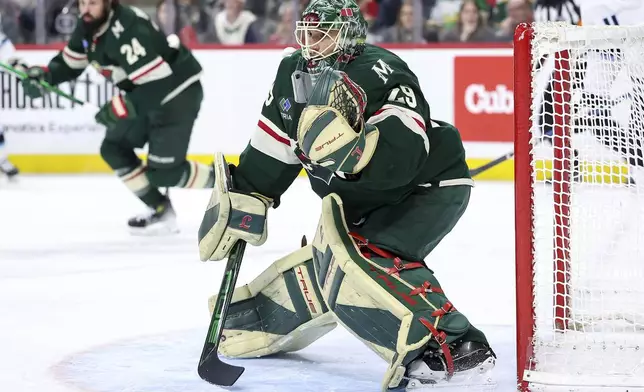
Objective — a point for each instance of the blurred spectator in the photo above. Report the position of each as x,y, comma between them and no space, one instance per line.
9,12
405,30
53,10
161,18
444,13
387,14
192,22
369,10
470,26
234,25
495,10
519,11
284,34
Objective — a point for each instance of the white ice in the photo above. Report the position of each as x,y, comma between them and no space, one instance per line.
84,306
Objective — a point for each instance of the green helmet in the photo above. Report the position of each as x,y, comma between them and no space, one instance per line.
331,28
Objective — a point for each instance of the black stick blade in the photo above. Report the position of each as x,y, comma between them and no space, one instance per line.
210,367
214,371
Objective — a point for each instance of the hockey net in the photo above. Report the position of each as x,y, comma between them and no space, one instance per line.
579,125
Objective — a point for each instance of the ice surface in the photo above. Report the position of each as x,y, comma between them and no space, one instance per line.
84,306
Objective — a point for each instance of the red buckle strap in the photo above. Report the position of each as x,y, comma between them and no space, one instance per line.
426,288
364,243
441,339
399,265
446,308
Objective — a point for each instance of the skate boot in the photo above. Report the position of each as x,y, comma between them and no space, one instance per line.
8,169
468,365
158,221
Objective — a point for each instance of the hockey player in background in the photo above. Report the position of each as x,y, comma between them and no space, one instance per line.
614,12
393,183
616,69
160,79
7,53
595,75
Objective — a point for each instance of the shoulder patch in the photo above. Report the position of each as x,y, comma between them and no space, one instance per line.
383,70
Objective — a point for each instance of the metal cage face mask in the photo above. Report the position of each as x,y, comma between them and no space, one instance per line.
318,39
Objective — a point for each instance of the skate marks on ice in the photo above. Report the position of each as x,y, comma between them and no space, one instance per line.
167,363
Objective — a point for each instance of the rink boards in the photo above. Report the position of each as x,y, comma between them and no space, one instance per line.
469,87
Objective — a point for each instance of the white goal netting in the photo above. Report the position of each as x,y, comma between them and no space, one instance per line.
587,130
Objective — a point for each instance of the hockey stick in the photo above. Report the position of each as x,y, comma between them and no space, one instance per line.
491,164
211,368
21,75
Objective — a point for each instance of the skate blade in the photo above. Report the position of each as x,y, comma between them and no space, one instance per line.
477,379
11,180
155,230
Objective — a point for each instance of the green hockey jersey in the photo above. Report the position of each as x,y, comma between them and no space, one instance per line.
133,53
413,150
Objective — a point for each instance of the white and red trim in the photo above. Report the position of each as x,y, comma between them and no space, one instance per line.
74,60
154,70
118,107
274,142
199,177
410,119
136,180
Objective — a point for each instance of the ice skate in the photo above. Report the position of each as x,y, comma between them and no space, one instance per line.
472,361
159,221
9,170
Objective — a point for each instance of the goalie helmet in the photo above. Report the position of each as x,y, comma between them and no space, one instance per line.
331,29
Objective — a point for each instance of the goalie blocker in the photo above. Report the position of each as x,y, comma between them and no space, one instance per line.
395,307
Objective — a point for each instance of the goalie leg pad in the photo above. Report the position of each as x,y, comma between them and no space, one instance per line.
393,306
281,310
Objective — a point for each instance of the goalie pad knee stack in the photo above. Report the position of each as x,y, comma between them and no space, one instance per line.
395,307
281,310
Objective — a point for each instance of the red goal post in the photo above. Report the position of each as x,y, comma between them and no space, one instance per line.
579,226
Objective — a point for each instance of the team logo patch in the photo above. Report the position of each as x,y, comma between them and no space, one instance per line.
285,106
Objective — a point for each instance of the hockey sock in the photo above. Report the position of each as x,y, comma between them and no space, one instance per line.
137,181
197,175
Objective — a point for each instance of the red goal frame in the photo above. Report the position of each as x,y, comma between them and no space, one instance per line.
524,194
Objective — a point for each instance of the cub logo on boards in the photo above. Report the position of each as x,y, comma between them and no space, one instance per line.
483,98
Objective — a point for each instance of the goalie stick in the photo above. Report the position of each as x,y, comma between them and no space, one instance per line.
211,368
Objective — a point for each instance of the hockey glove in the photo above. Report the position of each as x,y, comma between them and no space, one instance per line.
331,130
31,84
119,108
231,216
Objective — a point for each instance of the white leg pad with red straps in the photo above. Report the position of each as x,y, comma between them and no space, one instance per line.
393,306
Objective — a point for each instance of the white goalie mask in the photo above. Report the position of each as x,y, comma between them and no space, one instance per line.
320,39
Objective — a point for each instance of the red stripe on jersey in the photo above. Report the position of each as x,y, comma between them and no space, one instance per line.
420,124
77,58
155,66
273,134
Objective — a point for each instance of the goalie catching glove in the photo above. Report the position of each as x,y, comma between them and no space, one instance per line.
332,132
230,216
